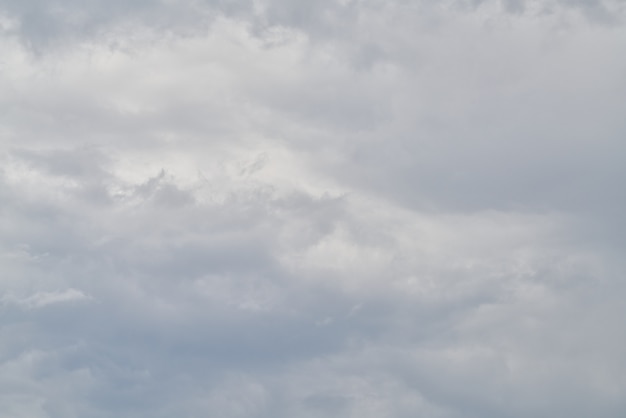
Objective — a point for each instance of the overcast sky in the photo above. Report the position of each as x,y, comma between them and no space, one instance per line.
298,209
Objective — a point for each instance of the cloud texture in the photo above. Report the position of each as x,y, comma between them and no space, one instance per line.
338,208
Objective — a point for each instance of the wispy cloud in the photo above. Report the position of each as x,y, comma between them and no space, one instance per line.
43,299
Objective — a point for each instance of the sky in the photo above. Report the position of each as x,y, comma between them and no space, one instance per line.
301,209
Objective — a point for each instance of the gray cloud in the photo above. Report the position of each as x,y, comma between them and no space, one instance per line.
283,209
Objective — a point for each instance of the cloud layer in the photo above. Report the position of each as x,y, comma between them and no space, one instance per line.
312,209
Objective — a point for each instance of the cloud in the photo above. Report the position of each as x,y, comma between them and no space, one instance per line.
284,209
42,299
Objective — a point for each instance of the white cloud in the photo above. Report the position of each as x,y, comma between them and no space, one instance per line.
42,299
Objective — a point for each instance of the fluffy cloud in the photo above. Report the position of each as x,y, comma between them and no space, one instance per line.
284,209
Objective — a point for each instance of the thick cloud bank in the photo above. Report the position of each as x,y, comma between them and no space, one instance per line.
291,209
